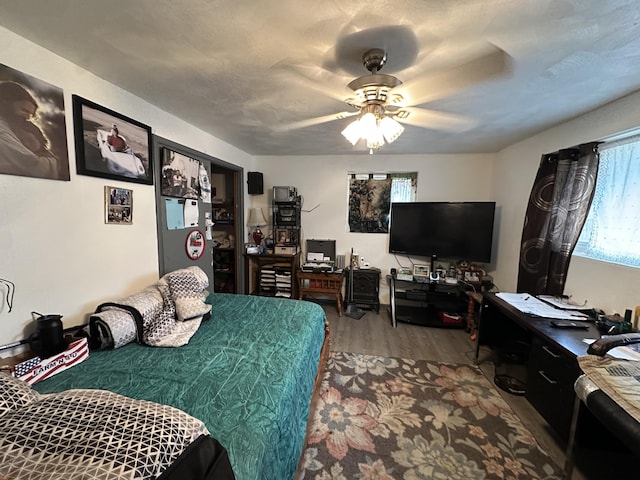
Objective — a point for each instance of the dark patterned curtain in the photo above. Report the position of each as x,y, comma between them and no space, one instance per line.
557,209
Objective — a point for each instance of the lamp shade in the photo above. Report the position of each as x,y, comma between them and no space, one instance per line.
256,218
374,126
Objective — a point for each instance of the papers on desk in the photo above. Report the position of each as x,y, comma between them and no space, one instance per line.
530,305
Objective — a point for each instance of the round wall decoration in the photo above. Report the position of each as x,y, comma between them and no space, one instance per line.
195,244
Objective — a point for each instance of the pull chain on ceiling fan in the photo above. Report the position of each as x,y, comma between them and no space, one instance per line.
375,123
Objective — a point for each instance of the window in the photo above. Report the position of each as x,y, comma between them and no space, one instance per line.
403,187
612,230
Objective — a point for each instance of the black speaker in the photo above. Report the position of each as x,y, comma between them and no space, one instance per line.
254,181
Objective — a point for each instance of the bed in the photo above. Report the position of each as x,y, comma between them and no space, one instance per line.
82,433
248,374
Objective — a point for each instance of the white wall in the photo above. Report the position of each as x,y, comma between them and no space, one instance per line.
611,287
322,181
54,244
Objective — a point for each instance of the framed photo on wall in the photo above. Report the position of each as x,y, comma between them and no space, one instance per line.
180,175
118,205
33,133
110,145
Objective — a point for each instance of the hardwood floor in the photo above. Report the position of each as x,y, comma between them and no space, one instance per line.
374,335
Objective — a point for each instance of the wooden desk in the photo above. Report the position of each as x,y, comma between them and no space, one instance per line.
316,283
552,366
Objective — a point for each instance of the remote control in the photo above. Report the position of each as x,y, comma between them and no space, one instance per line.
568,324
603,345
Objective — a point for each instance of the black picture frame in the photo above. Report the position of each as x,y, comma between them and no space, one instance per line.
129,162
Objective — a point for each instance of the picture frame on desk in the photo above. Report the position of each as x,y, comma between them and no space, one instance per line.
472,276
283,236
420,270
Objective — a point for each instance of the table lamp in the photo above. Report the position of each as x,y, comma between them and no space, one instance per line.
257,220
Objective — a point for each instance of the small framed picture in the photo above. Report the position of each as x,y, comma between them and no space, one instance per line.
282,235
223,215
472,276
118,205
421,270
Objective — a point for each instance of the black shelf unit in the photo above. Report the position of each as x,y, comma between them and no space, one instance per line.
423,303
286,224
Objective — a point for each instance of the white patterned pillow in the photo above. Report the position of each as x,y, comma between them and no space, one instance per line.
186,287
15,394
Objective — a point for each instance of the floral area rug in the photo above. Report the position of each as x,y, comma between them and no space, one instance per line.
392,418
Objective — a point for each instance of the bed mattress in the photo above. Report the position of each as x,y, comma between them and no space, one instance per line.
248,374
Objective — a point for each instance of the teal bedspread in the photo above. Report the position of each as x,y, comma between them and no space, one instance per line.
248,374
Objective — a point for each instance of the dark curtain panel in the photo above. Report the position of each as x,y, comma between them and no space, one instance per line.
557,209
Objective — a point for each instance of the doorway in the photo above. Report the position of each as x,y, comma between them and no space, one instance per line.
224,270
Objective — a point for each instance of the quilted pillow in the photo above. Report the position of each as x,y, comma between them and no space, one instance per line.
15,394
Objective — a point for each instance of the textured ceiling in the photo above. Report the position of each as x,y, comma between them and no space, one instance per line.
243,69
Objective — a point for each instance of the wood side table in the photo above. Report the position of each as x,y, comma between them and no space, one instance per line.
321,283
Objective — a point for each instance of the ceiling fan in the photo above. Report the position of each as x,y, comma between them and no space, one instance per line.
382,102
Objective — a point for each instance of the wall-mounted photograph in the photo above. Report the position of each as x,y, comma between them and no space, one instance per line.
118,205
110,145
33,134
180,175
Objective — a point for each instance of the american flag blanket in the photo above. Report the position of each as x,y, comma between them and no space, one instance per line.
166,314
88,434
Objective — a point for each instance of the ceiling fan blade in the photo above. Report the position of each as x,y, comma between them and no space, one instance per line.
312,121
310,76
433,119
440,84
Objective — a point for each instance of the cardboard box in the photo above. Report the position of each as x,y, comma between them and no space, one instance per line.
36,369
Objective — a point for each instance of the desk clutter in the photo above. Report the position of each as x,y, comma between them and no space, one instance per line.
321,257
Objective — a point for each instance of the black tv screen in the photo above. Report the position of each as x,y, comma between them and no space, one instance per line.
449,230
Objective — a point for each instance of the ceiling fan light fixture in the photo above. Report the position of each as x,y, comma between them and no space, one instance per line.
368,123
352,132
391,129
374,128
375,138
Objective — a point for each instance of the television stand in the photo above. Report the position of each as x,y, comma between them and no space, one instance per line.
430,304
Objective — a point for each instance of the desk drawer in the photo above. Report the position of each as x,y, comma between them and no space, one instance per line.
550,379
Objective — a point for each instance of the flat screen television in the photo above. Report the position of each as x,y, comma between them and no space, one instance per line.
448,230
